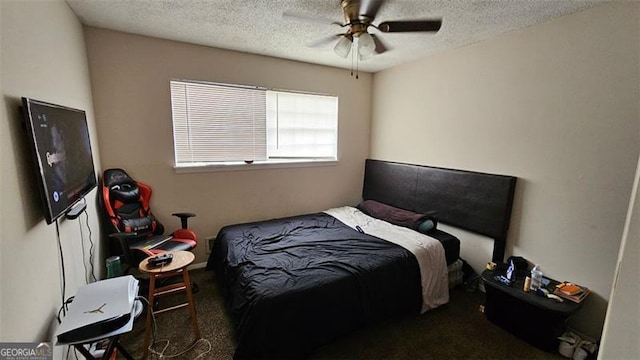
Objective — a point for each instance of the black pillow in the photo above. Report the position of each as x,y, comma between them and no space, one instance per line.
397,216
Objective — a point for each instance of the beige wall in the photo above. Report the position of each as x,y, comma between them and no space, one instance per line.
43,57
555,105
130,80
621,328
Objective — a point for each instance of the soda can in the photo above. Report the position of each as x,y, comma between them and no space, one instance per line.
113,267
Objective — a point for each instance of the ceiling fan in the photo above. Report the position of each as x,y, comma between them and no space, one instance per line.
358,18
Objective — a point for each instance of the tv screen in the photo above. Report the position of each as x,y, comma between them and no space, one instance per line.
59,137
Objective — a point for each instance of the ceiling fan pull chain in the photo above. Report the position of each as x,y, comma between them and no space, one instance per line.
357,70
352,52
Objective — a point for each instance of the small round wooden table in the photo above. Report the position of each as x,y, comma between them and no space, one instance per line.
177,267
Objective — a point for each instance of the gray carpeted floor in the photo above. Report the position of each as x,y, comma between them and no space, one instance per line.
455,331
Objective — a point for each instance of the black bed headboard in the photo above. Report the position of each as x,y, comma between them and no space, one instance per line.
469,200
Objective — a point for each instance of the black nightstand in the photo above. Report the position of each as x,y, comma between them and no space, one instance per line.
534,318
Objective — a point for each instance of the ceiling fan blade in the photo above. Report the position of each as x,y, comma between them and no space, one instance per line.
310,17
409,26
370,8
324,41
380,46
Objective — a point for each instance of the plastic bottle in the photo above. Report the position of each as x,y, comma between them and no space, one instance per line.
536,278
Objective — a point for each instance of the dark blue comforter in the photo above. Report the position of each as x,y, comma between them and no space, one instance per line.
297,283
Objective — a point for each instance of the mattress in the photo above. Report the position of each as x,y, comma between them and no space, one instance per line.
297,283
428,251
450,243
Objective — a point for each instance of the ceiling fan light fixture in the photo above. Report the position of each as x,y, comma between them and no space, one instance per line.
366,45
364,57
343,47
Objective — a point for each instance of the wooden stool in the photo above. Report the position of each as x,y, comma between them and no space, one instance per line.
177,267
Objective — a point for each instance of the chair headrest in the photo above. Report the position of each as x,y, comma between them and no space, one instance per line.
126,193
116,177
121,186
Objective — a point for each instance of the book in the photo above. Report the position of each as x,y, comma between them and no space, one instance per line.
570,289
571,292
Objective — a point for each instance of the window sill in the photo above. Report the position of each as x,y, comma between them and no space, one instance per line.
258,165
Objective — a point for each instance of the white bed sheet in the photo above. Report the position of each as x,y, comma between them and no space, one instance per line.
428,251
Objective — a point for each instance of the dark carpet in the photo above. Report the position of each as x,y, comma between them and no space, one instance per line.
457,330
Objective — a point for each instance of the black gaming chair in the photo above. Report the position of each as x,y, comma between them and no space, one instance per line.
126,203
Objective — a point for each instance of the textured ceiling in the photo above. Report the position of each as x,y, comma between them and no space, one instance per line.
259,27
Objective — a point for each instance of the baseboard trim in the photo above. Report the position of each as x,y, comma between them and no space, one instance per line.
200,265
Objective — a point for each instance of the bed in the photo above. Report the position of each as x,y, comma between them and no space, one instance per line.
297,283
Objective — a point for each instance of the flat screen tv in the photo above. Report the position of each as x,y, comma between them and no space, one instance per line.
59,138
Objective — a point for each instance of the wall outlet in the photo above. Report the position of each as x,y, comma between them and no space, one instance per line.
209,243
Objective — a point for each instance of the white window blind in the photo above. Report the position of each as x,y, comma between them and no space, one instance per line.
219,123
213,123
301,125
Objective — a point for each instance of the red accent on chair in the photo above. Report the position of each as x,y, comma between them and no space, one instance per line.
126,203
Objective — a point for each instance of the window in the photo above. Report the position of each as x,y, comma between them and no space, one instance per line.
228,124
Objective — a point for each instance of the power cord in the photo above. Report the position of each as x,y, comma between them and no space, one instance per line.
64,307
64,278
84,262
161,353
86,214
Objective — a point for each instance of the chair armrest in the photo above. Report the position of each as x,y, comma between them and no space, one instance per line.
184,218
124,235
130,235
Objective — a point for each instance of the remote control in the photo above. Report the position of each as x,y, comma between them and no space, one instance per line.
159,260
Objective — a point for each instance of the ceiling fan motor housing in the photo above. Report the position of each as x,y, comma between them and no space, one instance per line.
359,15
357,22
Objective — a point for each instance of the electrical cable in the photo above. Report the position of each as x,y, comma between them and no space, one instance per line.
86,214
64,307
84,263
64,278
161,353
166,345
